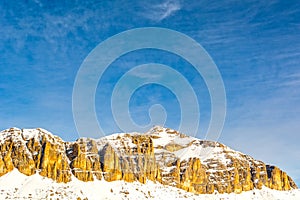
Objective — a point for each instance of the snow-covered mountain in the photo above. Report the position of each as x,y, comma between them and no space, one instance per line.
160,164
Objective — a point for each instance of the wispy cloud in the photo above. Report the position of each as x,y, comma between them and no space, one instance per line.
163,10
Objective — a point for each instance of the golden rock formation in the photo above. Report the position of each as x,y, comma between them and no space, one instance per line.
159,155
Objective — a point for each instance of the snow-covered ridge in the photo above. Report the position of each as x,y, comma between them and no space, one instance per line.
26,134
161,154
186,146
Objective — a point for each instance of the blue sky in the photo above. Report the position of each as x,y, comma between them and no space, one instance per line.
255,44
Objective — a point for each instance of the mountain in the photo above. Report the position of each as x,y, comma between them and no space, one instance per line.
162,158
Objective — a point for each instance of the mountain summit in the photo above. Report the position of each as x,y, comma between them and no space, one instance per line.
160,155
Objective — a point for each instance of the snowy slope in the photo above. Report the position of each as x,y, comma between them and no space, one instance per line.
15,185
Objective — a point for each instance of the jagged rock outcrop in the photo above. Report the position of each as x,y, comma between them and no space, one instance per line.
162,155
34,151
130,160
84,159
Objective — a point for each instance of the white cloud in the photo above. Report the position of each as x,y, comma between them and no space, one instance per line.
161,11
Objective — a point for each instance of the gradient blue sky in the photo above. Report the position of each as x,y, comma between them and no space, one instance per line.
255,44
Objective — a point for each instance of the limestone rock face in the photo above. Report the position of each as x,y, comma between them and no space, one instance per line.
84,159
131,159
193,177
32,151
161,155
204,166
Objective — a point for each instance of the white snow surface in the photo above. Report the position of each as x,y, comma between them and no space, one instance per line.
15,185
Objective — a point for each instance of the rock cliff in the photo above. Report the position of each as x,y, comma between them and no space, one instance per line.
162,155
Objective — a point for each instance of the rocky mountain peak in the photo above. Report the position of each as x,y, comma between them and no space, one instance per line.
162,155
